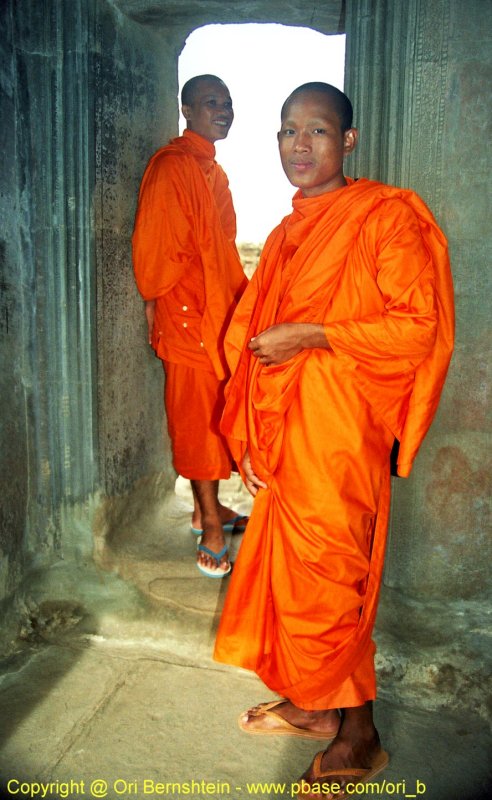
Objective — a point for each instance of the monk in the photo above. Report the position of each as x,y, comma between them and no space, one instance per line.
188,272
339,346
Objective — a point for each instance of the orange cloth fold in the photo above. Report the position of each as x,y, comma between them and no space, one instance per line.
185,258
194,401
184,252
369,263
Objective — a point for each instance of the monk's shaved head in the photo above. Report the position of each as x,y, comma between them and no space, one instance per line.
336,99
189,90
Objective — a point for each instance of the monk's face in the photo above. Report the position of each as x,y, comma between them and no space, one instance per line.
210,114
312,145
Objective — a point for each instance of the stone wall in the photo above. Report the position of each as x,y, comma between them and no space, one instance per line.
135,111
81,414
49,461
14,383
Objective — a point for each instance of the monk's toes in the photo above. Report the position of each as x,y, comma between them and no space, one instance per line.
247,718
259,710
251,714
212,563
251,722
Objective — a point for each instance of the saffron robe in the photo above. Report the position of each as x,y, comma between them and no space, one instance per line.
369,263
185,258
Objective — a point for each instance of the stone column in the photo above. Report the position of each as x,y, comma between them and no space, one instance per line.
50,341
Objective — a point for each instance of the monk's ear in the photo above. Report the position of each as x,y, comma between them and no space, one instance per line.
186,111
350,140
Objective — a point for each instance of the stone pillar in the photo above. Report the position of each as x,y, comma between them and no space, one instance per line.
86,96
14,378
417,72
48,405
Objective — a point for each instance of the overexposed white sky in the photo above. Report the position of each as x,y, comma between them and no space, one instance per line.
261,64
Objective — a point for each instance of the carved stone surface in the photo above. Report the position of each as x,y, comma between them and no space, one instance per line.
327,15
134,115
49,293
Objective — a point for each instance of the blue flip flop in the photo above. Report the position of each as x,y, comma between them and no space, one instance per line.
196,531
208,571
231,526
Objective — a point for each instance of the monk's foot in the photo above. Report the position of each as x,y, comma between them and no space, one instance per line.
227,514
228,517
212,554
270,718
354,756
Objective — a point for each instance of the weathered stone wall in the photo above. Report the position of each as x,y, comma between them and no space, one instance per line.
186,15
48,462
81,413
13,388
136,111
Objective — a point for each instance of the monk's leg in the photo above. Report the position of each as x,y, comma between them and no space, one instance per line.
226,514
194,405
206,493
196,518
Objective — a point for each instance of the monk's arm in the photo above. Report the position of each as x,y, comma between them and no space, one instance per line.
161,237
251,480
277,344
162,243
398,337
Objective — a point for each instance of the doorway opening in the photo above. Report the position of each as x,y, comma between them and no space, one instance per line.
261,64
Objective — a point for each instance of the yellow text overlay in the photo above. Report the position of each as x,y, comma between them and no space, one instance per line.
173,790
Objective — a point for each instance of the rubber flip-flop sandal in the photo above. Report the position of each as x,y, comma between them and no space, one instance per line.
359,776
230,526
208,571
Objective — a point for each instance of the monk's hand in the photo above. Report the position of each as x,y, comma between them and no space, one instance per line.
252,481
277,344
150,313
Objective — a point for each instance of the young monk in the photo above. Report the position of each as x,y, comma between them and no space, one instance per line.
188,271
339,346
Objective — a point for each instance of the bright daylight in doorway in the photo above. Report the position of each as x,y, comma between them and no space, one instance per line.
261,65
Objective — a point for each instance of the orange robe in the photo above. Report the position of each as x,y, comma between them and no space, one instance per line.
185,258
369,263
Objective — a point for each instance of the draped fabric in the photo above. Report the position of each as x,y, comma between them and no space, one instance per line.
184,252
194,401
185,258
369,263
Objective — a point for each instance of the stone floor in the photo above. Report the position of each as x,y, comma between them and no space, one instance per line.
112,692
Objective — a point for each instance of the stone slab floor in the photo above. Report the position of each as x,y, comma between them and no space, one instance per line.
112,691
